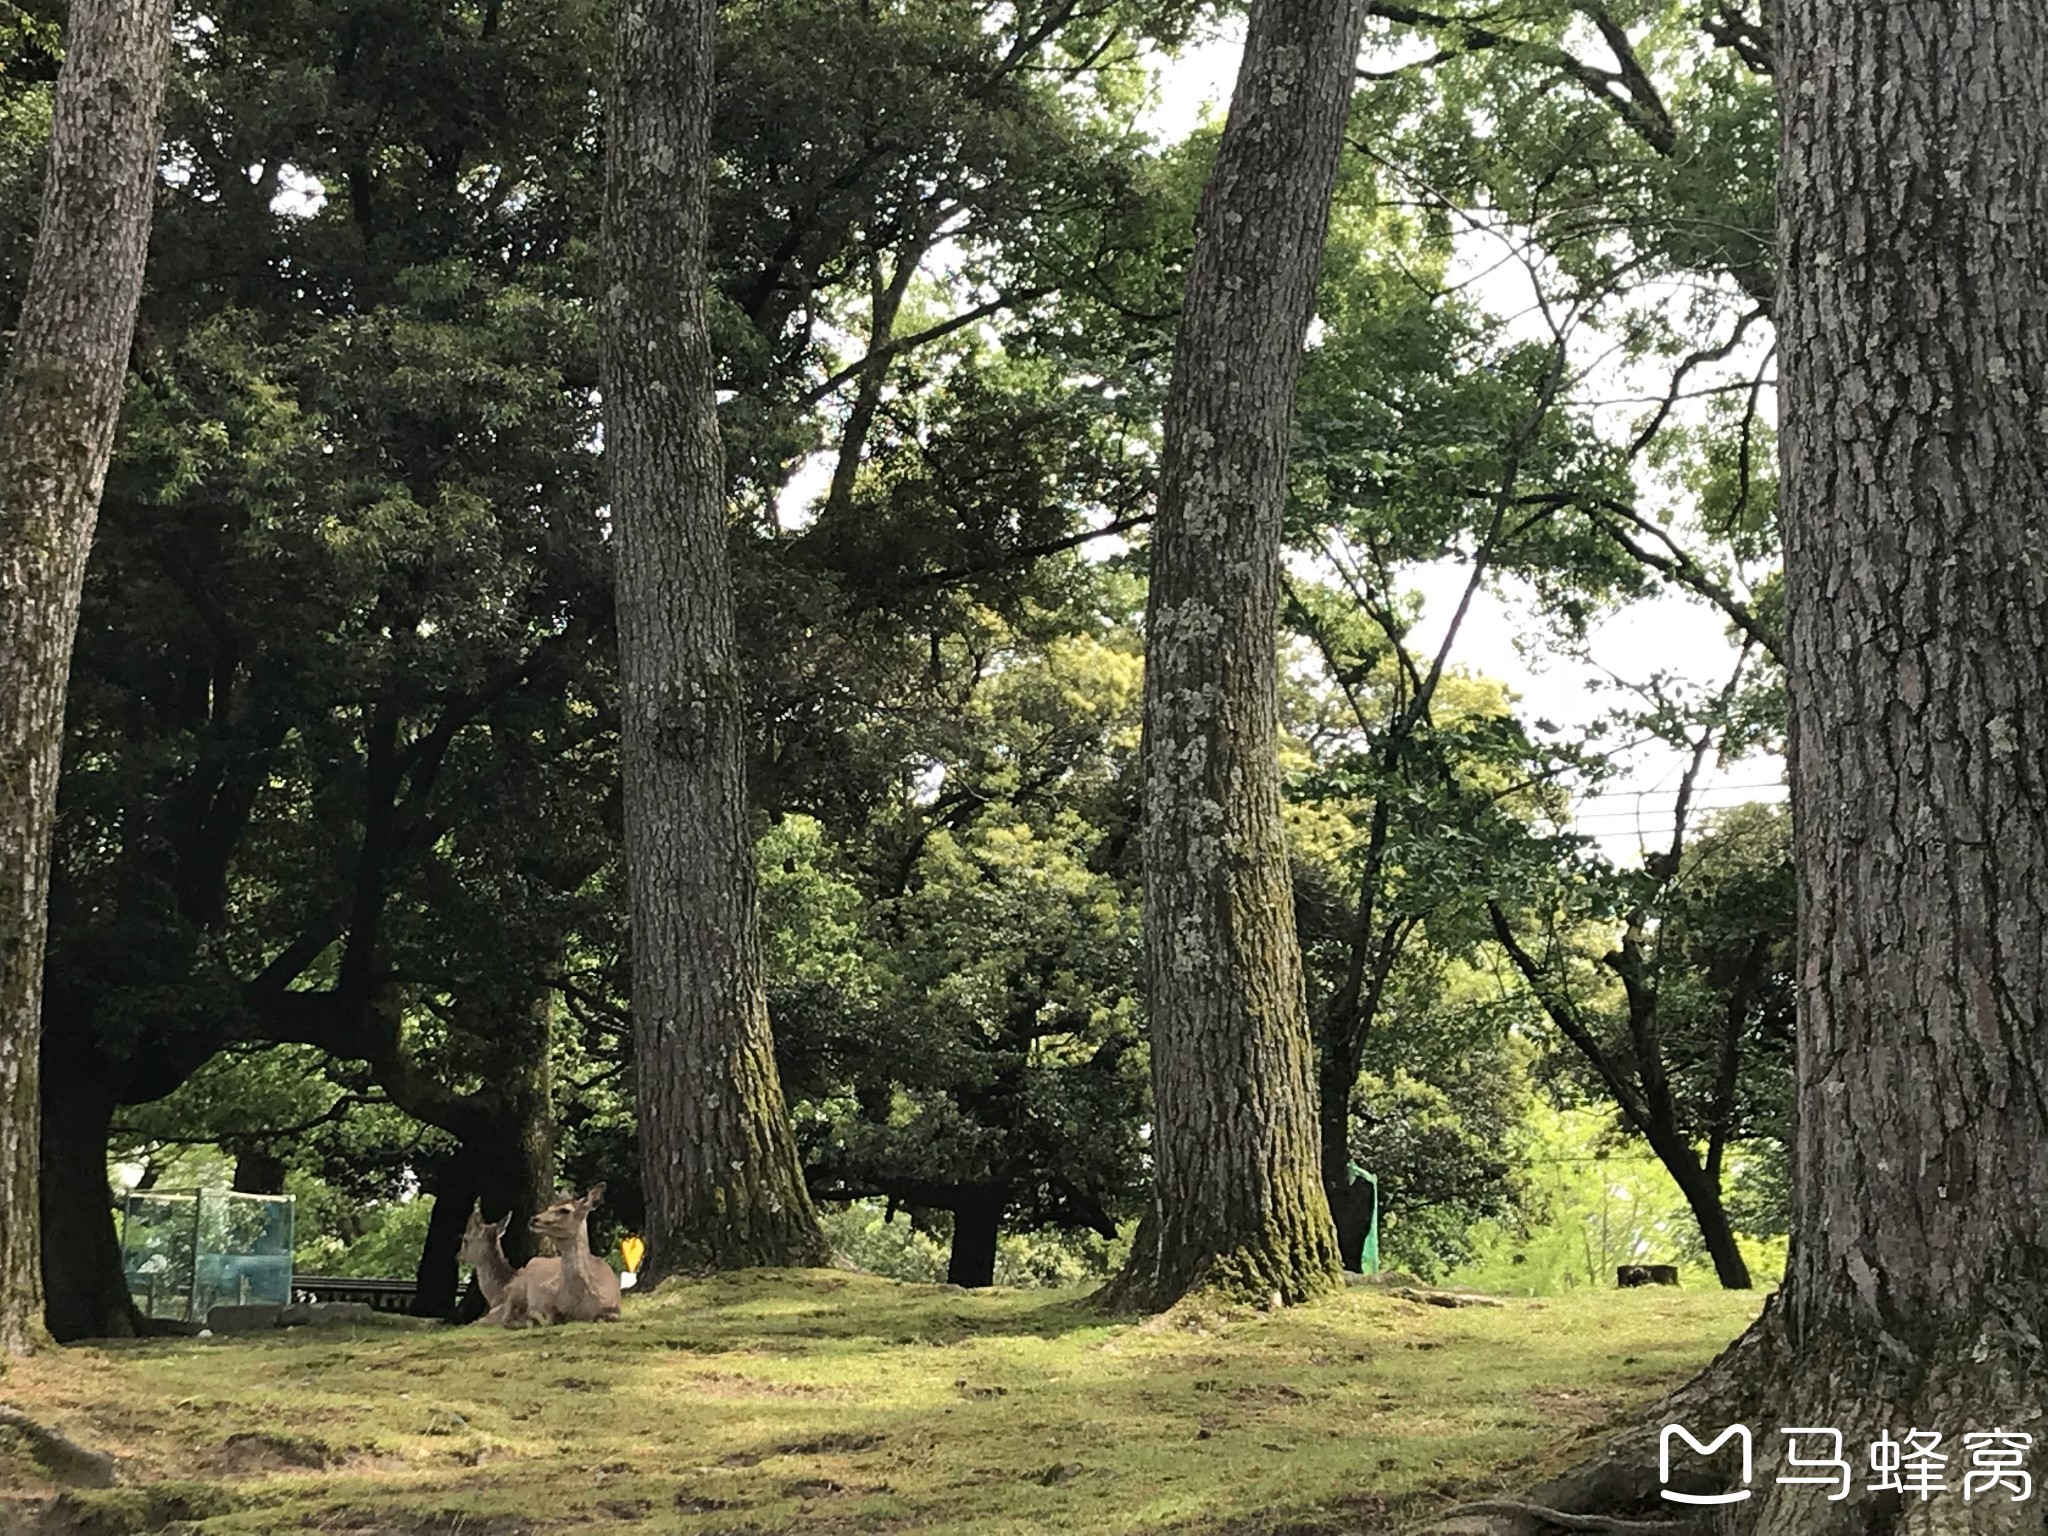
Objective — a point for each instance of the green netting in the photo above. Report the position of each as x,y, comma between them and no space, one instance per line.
186,1252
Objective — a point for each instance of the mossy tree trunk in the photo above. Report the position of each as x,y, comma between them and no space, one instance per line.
723,1183
1238,1203
59,400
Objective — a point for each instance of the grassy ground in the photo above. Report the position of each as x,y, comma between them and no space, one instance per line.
828,1403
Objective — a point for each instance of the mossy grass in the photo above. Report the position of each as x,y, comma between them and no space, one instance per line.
821,1401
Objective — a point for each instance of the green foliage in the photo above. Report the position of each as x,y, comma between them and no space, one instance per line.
901,1247
389,1245
1586,1205
1442,1157
1717,944
341,717
956,1012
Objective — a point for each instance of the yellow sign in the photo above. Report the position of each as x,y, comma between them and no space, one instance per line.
632,1250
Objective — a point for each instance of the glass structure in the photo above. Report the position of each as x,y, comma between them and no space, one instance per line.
187,1252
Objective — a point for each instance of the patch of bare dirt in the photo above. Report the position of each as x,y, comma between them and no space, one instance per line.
447,1522
689,1503
830,1443
1360,1514
247,1454
735,1384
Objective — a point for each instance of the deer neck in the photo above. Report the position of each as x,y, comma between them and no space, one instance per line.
575,1252
493,1271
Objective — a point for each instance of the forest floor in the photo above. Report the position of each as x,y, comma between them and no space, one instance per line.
829,1404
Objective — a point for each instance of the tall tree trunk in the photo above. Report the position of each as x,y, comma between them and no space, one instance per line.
1914,347
59,400
1238,1203
83,1280
1336,1078
977,1223
724,1186
437,1281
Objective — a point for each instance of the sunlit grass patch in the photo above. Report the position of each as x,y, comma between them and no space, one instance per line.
825,1402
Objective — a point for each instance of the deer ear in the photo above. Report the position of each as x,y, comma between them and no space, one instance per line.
595,1198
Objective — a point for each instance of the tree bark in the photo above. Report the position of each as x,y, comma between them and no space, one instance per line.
83,1279
724,1185
437,1281
1916,469
1702,1193
1238,1203
977,1223
59,400
1914,340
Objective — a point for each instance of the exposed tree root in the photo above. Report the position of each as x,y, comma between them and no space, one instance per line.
1617,1489
1984,1375
1429,1298
1499,1515
62,1457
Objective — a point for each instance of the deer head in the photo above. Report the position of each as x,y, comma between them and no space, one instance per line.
564,1221
483,1252
481,1239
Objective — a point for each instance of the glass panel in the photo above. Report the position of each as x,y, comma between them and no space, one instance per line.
186,1253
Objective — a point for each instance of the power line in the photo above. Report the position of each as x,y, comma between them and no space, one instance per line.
1705,789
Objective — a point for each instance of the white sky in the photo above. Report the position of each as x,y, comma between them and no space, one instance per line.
1670,634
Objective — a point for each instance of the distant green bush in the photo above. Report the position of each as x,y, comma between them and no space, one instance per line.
899,1249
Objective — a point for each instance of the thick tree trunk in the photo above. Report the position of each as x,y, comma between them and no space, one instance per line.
1916,472
1237,1194
724,1186
59,399
437,1282
1914,340
976,1226
83,1281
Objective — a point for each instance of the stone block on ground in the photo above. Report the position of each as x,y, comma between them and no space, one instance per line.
305,1314
244,1319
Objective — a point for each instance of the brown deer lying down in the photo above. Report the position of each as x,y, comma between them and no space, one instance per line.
483,1250
578,1287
